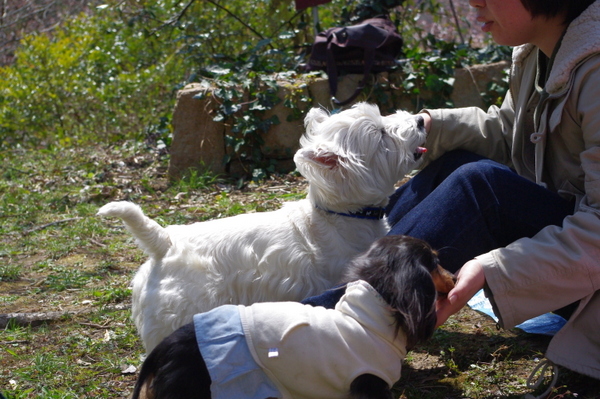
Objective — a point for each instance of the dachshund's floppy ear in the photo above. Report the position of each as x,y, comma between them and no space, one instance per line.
414,304
399,268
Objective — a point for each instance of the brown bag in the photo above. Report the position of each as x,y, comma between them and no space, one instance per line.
369,47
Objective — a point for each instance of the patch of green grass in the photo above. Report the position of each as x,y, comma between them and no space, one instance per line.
195,180
9,272
112,295
81,357
67,278
8,299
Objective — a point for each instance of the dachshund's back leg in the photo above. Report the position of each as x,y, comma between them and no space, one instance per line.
368,386
174,369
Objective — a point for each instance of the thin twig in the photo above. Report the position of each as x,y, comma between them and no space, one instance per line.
287,22
37,318
237,18
98,243
17,170
175,18
178,17
21,341
26,13
50,224
93,325
462,40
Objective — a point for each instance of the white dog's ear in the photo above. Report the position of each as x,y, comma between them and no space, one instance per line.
325,159
315,117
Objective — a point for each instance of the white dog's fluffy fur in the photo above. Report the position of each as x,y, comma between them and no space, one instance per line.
351,160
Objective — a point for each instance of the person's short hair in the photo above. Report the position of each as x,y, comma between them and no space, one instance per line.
552,8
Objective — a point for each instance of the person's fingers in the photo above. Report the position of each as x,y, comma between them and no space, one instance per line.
469,280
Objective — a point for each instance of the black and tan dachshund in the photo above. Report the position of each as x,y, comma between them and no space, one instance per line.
404,272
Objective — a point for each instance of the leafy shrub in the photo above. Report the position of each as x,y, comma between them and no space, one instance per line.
96,77
432,70
112,73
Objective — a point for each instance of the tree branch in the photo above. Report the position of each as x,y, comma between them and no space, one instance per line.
456,21
180,15
38,318
237,19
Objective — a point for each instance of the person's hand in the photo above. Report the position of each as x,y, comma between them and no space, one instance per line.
469,280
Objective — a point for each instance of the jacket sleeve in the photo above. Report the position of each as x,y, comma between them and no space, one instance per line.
473,129
556,267
559,265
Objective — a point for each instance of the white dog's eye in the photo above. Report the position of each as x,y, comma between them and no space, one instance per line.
420,122
383,132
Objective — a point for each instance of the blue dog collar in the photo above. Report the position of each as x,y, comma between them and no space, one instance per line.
373,213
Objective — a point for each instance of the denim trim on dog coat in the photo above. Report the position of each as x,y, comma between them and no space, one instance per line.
232,369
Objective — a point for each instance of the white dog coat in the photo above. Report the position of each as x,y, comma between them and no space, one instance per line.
306,351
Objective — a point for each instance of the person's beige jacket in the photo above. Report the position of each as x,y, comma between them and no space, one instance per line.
556,145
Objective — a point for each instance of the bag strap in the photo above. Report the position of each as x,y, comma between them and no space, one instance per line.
332,74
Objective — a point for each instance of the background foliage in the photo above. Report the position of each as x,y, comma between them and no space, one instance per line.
110,73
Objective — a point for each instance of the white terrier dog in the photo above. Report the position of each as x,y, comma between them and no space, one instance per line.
352,161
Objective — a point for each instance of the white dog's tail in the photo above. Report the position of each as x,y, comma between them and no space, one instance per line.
151,237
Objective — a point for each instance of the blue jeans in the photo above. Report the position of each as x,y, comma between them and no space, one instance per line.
465,205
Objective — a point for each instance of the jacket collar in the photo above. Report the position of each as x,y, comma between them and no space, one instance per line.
581,40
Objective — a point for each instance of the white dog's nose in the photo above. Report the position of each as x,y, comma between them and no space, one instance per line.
419,152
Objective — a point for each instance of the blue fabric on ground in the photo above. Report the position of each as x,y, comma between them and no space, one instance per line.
546,324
